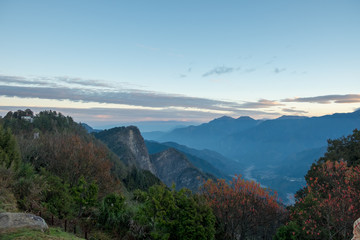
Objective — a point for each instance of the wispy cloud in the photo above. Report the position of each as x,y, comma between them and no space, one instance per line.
82,82
279,70
16,80
291,110
51,82
262,103
219,71
74,90
326,99
249,70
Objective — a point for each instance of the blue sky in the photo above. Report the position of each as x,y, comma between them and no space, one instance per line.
109,62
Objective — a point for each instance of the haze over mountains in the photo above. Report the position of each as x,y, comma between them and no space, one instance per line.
275,152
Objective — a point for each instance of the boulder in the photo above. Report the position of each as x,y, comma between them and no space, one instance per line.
10,221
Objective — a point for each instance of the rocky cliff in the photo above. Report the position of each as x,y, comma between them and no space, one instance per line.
129,145
170,166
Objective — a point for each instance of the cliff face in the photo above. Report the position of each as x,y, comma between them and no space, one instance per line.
129,145
137,146
172,166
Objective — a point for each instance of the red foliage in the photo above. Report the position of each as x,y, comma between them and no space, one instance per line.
243,208
331,203
70,157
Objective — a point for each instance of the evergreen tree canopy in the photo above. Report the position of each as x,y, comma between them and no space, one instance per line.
9,152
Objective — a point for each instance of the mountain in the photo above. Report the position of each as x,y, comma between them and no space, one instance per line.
272,141
275,152
200,163
129,145
207,135
169,165
173,166
88,128
264,142
153,134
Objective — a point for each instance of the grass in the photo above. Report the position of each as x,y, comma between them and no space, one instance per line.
30,234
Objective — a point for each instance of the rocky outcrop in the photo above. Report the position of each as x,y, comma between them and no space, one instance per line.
170,166
9,221
173,166
129,145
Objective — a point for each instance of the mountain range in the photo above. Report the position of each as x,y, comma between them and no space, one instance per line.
277,152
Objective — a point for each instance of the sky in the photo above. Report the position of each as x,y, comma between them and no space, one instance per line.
107,63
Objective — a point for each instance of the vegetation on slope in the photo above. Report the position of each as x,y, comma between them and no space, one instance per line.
51,165
328,205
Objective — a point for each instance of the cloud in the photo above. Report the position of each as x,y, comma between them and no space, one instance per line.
291,110
16,80
131,102
326,99
81,82
262,103
136,99
249,70
183,76
218,71
51,82
279,70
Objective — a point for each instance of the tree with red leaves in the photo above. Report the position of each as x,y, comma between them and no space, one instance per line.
330,205
243,208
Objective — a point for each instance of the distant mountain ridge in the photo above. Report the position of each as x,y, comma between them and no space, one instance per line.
89,129
208,134
267,150
238,138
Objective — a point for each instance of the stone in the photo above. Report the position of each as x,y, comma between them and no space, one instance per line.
10,221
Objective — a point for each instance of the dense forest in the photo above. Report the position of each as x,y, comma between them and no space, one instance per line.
51,166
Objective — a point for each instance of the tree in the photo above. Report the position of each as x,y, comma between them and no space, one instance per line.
345,148
113,214
290,231
140,179
169,214
9,151
327,207
69,156
195,218
57,196
243,209
85,197
29,187
330,204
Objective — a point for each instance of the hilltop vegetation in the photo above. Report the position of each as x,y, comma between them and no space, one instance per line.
328,205
49,164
